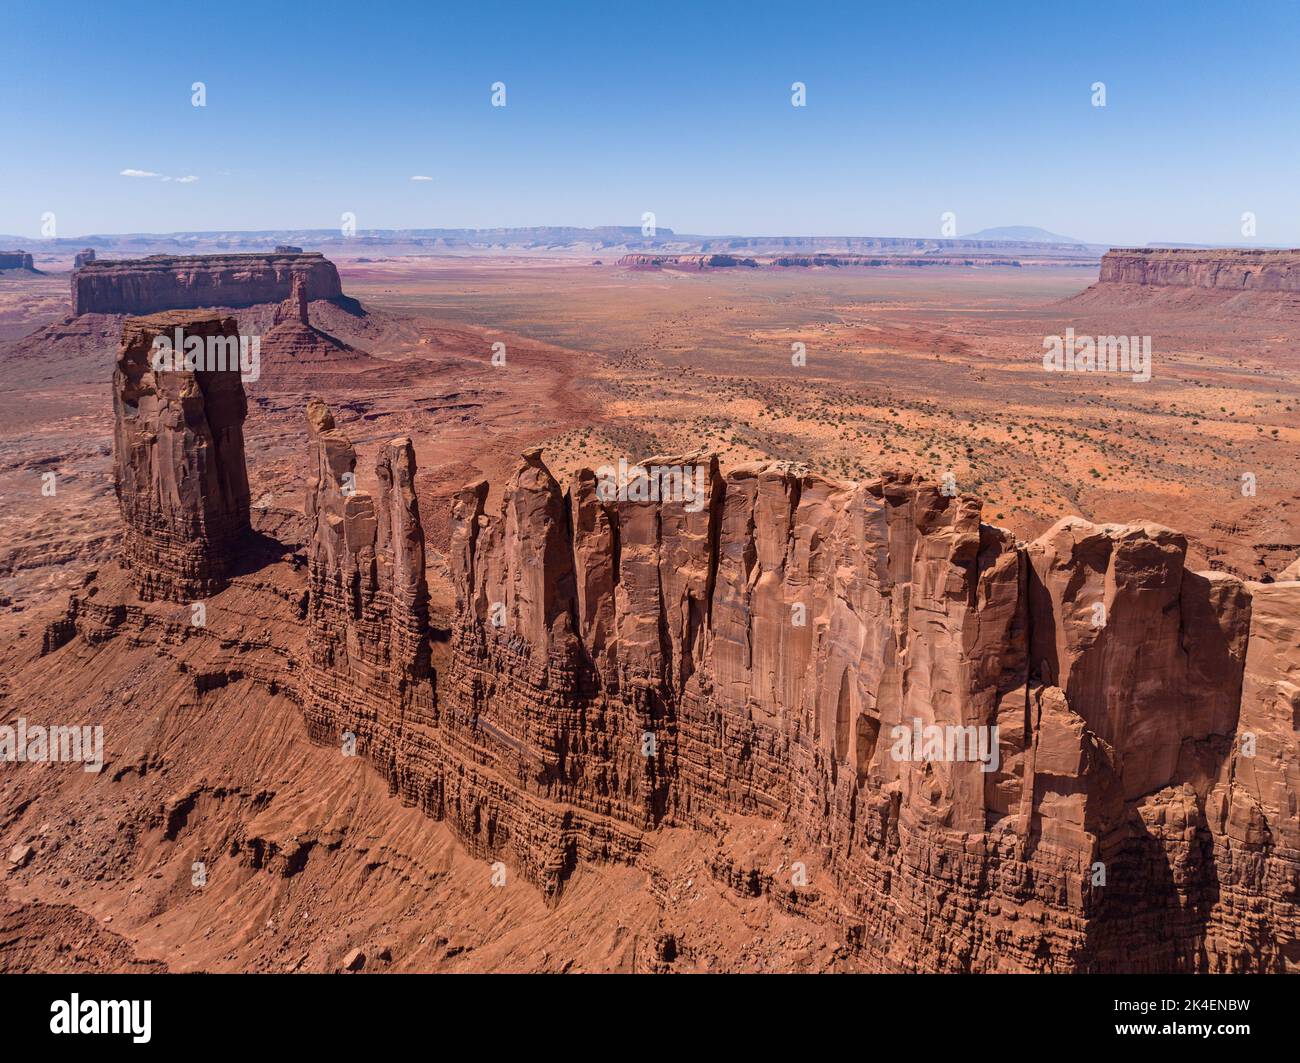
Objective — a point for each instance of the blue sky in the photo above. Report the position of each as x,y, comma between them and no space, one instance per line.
614,109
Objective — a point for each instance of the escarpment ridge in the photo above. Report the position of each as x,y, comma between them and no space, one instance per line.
178,282
1240,269
1069,755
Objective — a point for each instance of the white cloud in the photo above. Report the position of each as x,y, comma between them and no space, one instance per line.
188,179
421,177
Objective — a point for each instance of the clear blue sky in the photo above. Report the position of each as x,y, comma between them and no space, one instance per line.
618,108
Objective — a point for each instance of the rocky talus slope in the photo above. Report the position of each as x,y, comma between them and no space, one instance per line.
1114,781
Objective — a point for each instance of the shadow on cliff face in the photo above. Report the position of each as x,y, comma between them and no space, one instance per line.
349,305
259,550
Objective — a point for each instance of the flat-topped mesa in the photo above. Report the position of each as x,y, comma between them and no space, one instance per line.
84,256
166,282
369,673
178,460
1229,269
16,260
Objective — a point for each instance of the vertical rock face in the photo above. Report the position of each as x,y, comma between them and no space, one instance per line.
1238,269
996,756
369,674
178,461
786,650
83,256
16,260
172,282
294,308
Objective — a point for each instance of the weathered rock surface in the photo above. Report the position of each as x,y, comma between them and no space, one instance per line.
83,257
772,652
293,343
368,610
178,462
169,282
1243,269
16,260
978,754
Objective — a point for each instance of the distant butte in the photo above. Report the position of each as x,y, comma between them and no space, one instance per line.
171,282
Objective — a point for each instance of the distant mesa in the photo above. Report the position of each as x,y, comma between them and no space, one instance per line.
1232,269
83,257
605,242
1192,278
187,282
17,260
643,261
651,261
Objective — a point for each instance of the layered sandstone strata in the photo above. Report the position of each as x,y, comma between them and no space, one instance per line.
293,343
368,685
178,460
369,674
167,282
777,644
1069,755
1245,269
773,651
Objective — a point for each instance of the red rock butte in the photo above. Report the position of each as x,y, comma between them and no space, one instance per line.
178,461
179,282
1246,269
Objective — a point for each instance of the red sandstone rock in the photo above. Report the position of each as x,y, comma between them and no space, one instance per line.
178,459
168,282
771,648
293,344
1240,269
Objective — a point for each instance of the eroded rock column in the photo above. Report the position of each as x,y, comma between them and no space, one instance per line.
178,456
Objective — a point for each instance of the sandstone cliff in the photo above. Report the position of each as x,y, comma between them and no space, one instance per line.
167,282
178,462
16,260
770,652
1116,773
1242,269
